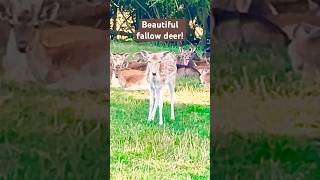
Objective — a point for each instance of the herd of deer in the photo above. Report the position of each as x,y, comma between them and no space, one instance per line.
132,75
155,71
295,25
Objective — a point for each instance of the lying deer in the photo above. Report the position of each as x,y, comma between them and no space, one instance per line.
187,57
205,76
188,61
187,71
142,66
116,63
161,72
68,57
129,79
186,67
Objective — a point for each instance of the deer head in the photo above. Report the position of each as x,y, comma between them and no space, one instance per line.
117,62
187,55
154,61
25,17
305,30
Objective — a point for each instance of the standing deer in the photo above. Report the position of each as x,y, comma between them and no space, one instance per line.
161,71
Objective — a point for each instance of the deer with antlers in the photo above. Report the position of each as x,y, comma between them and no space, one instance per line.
161,71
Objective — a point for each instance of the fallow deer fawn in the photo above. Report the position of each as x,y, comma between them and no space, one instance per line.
161,71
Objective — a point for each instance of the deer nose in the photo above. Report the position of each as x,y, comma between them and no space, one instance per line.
153,73
22,46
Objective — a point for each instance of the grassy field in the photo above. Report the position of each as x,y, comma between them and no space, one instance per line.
51,135
267,118
144,150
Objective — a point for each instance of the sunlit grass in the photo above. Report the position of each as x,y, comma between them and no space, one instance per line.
142,149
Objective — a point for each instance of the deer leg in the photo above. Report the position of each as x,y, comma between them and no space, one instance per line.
156,103
151,103
172,91
160,106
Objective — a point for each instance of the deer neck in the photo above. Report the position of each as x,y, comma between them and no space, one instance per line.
38,58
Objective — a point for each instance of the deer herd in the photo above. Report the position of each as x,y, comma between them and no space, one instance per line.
155,71
133,74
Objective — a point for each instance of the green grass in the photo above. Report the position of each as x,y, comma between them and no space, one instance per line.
48,135
266,118
261,156
142,149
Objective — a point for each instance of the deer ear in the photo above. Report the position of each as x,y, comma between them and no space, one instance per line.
125,55
164,54
49,12
291,30
145,54
273,9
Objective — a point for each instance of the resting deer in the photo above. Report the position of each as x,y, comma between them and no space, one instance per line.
139,56
187,57
68,57
187,71
205,76
116,63
142,66
131,79
161,72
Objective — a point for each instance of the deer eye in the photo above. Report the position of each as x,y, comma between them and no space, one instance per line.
36,26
